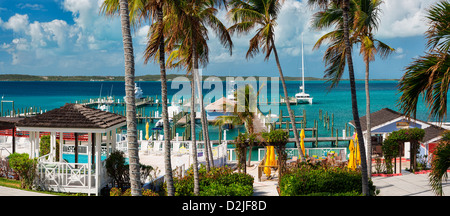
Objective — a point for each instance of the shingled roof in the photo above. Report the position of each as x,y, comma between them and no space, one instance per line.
73,116
8,122
377,118
432,132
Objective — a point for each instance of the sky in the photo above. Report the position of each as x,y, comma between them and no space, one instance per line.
71,37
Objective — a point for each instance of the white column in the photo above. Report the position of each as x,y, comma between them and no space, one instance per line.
98,144
52,145
113,143
31,138
61,141
89,153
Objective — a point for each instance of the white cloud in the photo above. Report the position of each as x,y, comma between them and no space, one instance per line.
403,18
17,23
31,6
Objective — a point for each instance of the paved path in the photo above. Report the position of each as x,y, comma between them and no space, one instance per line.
6,191
408,184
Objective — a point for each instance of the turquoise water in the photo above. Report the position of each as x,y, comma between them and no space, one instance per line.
83,158
50,95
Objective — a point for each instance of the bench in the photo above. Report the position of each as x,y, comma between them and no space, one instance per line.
261,167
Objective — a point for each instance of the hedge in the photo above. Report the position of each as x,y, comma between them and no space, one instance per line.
330,181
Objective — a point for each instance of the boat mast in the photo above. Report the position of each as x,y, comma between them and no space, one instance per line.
303,70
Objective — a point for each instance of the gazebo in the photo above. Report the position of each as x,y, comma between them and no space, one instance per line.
73,119
8,123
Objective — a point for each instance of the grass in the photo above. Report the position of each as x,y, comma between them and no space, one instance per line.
11,183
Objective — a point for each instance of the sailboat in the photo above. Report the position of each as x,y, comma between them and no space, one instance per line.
302,96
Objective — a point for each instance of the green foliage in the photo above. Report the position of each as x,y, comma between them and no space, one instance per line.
391,145
44,146
234,189
118,192
117,169
276,137
406,135
309,180
439,166
24,167
220,181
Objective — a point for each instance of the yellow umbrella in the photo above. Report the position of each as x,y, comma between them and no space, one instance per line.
146,131
267,170
302,141
358,155
270,160
351,157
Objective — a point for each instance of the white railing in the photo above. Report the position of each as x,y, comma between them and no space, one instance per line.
318,153
69,177
66,177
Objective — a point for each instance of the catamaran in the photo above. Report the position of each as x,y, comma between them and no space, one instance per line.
303,96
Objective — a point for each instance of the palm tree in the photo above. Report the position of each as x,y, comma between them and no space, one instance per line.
366,21
133,149
143,10
364,16
191,31
345,49
440,164
243,113
430,74
156,48
261,14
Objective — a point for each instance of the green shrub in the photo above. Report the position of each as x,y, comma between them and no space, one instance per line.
220,181
118,192
308,180
24,167
44,146
218,189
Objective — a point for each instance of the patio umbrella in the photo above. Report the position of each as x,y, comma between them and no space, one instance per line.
351,158
270,159
302,141
146,131
358,155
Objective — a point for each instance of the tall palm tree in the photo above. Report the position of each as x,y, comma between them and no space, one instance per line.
152,10
346,50
364,16
156,49
261,14
133,148
192,30
429,75
366,22
178,59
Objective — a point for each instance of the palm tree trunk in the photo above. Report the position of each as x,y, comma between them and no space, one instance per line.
168,178
194,143
291,114
365,184
368,120
202,116
133,150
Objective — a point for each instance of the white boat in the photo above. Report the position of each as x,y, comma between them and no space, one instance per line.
231,90
302,96
138,94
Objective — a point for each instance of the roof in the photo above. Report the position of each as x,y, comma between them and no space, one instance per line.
432,132
377,118
73,116
385,115
8,122
218,104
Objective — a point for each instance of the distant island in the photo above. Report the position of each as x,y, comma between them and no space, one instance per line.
22,77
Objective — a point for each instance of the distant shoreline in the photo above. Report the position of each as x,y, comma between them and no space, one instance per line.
22,77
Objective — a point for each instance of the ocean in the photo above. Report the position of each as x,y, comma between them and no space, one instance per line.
337,101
